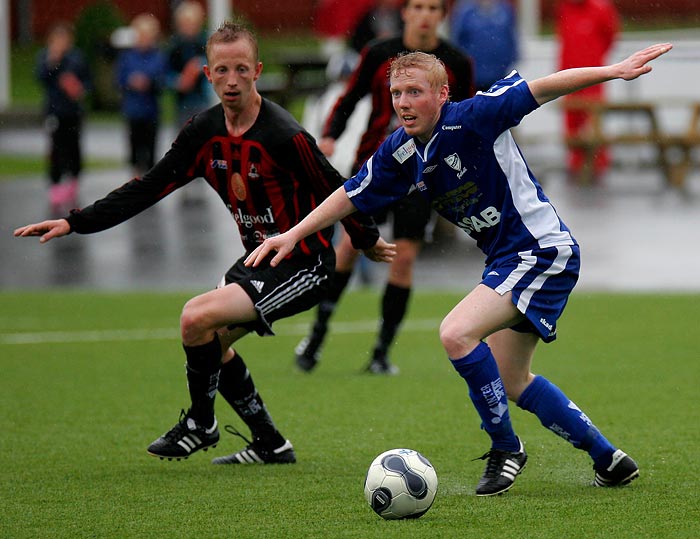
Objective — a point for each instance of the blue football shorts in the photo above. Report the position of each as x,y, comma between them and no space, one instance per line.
541,281
293,286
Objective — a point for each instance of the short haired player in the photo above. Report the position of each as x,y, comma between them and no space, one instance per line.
462,157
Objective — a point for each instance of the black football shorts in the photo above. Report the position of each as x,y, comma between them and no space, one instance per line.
411,216
294,286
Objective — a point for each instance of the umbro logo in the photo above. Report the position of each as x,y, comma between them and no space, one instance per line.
258,285
429,169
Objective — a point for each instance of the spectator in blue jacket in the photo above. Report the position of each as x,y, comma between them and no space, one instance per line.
487,31
186,57
141,72
63,72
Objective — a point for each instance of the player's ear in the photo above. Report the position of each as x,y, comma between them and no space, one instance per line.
444,93
207,73
258,71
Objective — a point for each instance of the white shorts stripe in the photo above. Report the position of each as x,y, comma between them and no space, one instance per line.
528,261
294,287
285,294
559,265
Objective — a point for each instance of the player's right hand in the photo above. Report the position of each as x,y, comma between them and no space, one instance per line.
48,230
282,244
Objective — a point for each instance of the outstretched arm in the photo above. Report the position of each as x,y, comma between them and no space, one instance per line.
46,229
330,211
568,81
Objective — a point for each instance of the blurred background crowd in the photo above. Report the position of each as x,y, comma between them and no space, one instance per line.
91,85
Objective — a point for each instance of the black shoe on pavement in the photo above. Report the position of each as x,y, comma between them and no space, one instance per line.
502,468
306,355
257,452
622,470
185,438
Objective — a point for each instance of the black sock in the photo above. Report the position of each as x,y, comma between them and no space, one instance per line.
325,310
394,306
237,387
203,364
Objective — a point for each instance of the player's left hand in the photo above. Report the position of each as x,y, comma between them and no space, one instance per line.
382,251
637,64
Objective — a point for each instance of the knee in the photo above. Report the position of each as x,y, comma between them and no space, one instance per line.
193,322
402,270
456,340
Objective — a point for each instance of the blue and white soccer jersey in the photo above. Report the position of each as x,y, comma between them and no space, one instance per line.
475,176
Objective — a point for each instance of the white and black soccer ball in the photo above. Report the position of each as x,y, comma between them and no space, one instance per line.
400,483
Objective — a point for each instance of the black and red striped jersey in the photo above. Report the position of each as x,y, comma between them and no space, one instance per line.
270,178
371,76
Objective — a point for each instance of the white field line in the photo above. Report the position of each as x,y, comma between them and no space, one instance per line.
162,334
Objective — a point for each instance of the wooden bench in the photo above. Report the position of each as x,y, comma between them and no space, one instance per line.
302,73
683,145
595,136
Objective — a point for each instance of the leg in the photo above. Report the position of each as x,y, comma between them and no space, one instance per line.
201,317
513,352
480,314
411,218
268,446
575,122
58,194
74,161
150,144
273,301
308,350
394,303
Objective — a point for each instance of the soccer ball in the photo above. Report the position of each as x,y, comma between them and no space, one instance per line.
400,483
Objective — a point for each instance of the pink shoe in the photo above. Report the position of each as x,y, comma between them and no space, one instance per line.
56,195
72,188
59,197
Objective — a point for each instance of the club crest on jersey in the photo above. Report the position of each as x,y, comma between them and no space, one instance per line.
238,186
219,163
405,151
253,172
455,163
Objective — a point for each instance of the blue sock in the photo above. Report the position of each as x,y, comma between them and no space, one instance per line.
486,391
560,415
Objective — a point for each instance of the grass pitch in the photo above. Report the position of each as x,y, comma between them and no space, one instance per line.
90,379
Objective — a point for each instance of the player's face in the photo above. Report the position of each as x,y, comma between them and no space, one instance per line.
416,103
422,17
233,69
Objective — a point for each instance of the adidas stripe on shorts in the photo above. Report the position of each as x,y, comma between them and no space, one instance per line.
294,286
541,281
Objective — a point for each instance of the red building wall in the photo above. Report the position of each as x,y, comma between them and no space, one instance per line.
46,12
643,9
286,16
